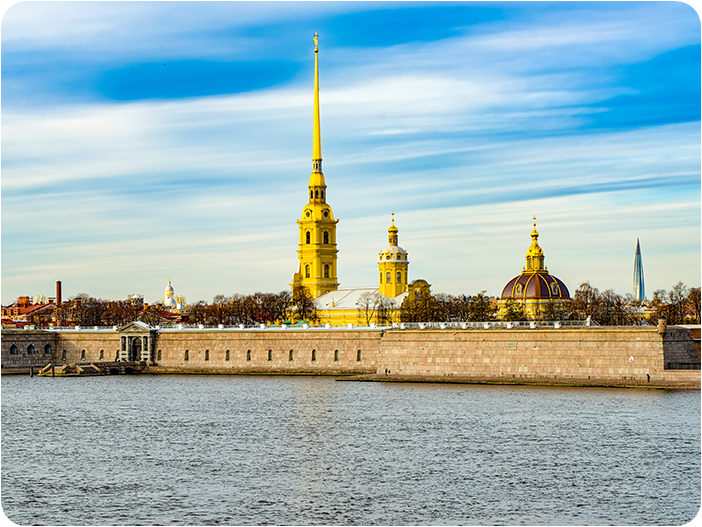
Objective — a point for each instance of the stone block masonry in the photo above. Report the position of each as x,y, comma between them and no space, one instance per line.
331,352
609,356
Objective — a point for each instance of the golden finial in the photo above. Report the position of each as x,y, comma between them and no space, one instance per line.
393,219
316,36
534,221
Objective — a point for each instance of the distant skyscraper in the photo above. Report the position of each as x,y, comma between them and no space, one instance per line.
639,290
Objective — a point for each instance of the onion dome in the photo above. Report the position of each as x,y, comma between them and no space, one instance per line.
393,251
535,282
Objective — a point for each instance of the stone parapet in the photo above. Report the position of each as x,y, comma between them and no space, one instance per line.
571,355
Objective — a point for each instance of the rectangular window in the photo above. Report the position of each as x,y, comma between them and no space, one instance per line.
270,354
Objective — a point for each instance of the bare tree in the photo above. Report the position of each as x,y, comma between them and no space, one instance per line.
693,305
368,305
303,304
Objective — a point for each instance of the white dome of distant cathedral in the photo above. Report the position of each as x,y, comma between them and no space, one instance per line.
168,300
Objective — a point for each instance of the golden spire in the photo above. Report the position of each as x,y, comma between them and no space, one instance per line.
317,140
534,255
392,232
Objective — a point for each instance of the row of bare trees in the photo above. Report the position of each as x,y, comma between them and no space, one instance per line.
679,305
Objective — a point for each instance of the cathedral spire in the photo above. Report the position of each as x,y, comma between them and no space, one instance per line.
317,140
534,255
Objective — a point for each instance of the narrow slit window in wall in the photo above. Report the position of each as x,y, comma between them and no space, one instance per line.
102,354
226,357
82,355
207,354
63,355
158,355
291,355
336,354
187,355
248,354
270,354
314,355
358,356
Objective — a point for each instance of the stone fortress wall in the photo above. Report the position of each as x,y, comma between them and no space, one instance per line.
574,355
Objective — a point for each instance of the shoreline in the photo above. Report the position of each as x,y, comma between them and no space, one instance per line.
543,381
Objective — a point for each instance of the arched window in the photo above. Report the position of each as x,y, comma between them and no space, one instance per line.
326,237
326,271
158,356
82,354
307,237
102,354
388,278
316,193
248,354
336,354
63,355
207,354
187,355
314,355
399,277
47,349
307,271
226,357
291,355
381,277
358,356
13,350
311,194
30,349
270,354
322,194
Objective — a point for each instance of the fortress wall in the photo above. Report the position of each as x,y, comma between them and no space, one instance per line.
588,353
22,338
92,342
680,348
566,353
347,342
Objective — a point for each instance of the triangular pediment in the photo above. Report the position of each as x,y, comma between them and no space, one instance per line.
135,327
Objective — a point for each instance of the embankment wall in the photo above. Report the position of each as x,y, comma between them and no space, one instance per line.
580,355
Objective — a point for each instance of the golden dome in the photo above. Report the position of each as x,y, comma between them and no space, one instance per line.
393,229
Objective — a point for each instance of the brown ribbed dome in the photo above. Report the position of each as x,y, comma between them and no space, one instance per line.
535,286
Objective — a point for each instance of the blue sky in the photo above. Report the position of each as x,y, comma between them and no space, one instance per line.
148,140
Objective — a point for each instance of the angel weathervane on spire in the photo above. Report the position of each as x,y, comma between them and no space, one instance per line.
316,36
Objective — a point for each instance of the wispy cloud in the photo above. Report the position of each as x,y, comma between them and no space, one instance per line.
465,136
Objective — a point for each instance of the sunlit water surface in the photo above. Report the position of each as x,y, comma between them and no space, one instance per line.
243,450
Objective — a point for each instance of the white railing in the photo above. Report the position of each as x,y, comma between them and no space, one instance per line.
491,324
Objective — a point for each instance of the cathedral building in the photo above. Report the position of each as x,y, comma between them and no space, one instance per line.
317,252
535,293
317,227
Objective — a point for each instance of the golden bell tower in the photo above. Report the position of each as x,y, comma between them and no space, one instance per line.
317,247
393,264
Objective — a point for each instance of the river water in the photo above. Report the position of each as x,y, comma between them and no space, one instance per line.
261,450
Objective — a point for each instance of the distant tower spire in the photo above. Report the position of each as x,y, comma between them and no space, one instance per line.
639,290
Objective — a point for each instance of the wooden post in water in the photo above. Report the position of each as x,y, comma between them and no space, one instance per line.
31,371
52,370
